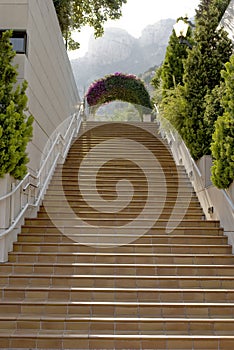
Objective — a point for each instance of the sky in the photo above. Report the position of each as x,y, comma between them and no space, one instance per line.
137,14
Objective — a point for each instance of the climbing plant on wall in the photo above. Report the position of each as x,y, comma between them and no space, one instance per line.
15,125
122,87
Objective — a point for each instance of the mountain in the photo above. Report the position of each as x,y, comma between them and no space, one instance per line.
118,51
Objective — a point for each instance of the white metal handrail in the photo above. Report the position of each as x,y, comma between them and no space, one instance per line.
208,195
9,194
23,190
181,154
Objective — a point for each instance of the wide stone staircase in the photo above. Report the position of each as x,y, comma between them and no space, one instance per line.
120,255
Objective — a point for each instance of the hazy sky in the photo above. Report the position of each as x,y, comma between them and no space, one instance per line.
137,14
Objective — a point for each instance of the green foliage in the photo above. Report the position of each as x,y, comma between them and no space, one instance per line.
190,80
122,87
75,14
223,138
213,109
221,5
156,82
168,81
15,127
173,66
202,74
175,108
127,114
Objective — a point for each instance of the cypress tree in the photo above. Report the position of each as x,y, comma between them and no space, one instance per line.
211,51
223,138
173,65
15,126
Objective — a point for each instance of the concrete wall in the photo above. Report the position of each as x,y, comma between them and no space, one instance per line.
227,20
52,91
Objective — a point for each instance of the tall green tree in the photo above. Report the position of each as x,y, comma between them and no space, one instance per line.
221,6
173,64
75,14
223,138
211,51
15,125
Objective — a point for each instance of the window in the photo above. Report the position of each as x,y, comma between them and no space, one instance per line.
18,40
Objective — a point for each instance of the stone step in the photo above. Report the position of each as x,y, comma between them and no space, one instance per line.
123,193
108,239
112,281
156,143
170,204
110,184
174,169
122,325
116,219
57,339
192,214
154,310
127,163
121,169
151,150
104,258
73,247
135,232
76,294
170,173
84,213
129,195
122,269
117,257
112,188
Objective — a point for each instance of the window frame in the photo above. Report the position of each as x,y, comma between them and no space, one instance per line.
20,34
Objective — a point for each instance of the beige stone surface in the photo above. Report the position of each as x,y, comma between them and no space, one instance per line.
52,91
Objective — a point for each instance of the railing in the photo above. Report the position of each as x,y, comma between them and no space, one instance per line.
216,203
182,156
27,195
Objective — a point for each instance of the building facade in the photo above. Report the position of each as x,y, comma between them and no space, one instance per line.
43,62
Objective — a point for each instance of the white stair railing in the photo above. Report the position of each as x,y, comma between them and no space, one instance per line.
216,204
26,195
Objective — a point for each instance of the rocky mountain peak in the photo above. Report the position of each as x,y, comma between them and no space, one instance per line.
117,50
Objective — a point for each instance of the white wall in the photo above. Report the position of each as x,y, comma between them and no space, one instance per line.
52,91
227,20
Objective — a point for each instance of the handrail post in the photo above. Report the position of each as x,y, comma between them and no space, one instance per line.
5,204
12,205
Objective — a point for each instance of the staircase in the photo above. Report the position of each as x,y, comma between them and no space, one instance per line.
118,264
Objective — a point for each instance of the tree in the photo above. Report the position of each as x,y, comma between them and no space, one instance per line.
15,126
175,108
156,82
221,6
213,109
173,66
75,14
211,51
223,138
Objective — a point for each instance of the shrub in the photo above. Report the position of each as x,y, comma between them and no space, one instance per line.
222,146
15,126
